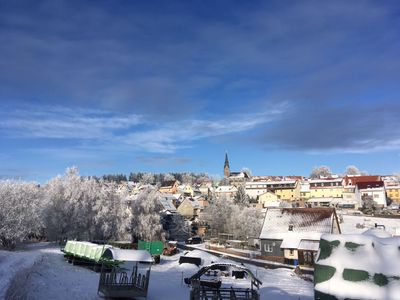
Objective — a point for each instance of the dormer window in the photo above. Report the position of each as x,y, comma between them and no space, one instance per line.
290,227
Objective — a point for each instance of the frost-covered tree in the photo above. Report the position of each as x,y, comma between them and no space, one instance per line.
168,177
317,172
58,211
246,222
241,198
217,215
226,217
83,208
110,213
147,178
20,212
69,206
352,170
188,178
146,218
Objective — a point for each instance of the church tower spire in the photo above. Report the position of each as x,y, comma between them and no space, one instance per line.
227,170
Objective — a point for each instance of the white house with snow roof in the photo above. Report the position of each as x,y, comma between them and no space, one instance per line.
291,235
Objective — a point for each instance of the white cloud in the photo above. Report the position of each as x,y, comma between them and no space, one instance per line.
112,132
178,135
65,123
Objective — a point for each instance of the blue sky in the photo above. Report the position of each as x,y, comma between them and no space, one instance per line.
169,86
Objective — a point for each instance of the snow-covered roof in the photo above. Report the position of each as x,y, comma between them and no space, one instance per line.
298,240
308,245
128,255
271,182
226,189
279,222
167,204
325,180
325,199
194,202
361,266
171,196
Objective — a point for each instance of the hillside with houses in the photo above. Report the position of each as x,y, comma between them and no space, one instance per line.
263,222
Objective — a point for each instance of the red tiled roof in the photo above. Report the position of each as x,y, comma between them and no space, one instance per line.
358,179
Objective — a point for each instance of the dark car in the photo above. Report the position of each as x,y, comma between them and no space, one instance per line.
194,240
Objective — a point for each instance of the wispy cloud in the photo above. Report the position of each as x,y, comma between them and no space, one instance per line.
118,132
178,135
64,123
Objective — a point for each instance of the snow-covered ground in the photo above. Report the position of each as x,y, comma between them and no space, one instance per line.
44,274
40,272
349,225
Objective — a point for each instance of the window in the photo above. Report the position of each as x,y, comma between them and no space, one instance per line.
291,252
268,248
376,195
290,227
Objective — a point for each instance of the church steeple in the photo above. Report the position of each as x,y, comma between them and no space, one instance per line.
227,170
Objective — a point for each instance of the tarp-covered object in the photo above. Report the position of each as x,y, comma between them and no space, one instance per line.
86,250
362,266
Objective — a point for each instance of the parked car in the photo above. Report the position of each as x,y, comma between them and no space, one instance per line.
194,240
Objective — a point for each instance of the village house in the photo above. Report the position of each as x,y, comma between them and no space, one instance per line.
305,193
170,187
326,188
186,190
291,235
392,187
255,189
288,190
323,202
227,191
238,178
393,193
191,207
374,190
268,199
205,189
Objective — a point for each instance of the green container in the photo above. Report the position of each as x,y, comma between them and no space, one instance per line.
154,248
